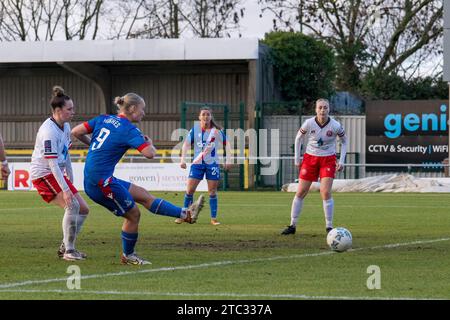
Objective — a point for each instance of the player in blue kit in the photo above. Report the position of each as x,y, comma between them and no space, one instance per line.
112,136
207,138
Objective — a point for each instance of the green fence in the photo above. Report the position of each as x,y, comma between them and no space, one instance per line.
234,178
263,109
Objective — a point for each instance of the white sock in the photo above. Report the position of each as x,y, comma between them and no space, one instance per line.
69,225
183,214
328,209
296,209
80,221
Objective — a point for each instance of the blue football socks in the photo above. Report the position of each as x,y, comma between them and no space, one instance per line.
165,208
188,199
128,242
213,205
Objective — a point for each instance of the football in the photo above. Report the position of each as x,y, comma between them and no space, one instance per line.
339,239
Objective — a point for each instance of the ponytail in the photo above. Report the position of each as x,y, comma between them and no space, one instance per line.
59,98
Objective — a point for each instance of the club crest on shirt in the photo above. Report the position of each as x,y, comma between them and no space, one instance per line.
48,146
329,133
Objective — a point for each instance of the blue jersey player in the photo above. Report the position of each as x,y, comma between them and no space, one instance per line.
112,136
206,137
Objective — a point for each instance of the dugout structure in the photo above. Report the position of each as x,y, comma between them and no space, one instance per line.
165,72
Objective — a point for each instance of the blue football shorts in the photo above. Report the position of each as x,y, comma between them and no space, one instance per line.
111,193
198,171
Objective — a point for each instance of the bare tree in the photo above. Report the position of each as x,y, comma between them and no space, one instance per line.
378,35
197,18
212,18
416,28
161,19
14,20
46,19
36,15
81,18
117,19
52,16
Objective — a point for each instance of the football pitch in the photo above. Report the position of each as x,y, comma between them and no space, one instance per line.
401,246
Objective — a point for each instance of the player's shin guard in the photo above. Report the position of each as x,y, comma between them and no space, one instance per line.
213,205
69,224
328,209
188,199
128,242
80,222
165,208
296,209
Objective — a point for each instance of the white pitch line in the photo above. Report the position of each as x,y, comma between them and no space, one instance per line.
266,205
214,294
29,208
340,206
187,267
40,207
213,264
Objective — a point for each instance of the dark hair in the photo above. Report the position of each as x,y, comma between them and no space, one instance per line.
128,100
213,123
59,98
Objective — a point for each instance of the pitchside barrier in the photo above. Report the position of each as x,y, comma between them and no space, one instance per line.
353,169
168,169
175,178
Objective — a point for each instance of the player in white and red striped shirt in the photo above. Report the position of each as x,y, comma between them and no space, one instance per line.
319,134
51,172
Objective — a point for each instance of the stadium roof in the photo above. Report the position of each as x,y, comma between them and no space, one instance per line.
130,50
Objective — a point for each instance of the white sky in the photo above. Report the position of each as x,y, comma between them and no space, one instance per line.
252,25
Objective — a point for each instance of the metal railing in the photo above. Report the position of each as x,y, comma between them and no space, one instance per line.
237,178
286,172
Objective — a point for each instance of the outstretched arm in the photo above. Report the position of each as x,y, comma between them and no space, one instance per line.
184,150
81,133
149,151
57,173
299,141
344,142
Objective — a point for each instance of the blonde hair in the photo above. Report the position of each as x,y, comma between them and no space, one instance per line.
323,100
128,100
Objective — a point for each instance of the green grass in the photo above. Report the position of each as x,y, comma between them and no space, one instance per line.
253,261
